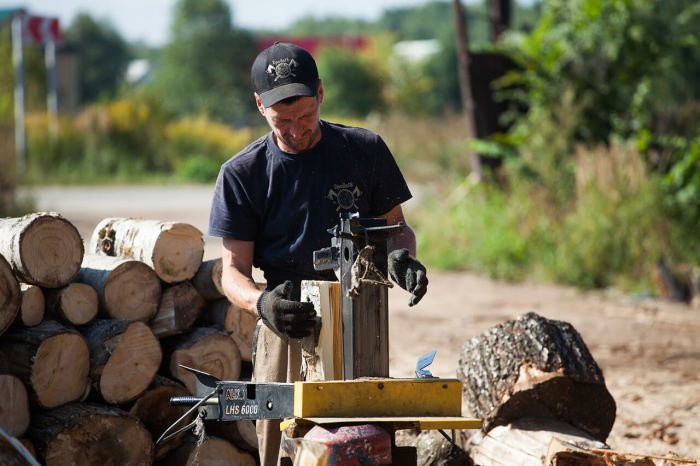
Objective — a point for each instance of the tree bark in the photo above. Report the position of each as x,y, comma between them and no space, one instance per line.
32,305
75,303
500,12
9,296
208,350
207,280
174,250
43,248
238,323
240,433
51,359
87,434
124,358
535,367
462,42
153,409
127,289
14,406
180,307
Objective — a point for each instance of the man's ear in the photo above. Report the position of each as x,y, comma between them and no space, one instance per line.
319,91
259,103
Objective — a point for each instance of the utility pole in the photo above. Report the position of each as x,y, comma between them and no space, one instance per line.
462,41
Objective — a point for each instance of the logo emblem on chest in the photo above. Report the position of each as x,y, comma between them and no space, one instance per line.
344,196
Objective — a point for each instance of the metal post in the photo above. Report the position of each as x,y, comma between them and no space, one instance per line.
18,61
52,93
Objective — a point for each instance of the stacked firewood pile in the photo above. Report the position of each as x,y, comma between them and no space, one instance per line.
91,342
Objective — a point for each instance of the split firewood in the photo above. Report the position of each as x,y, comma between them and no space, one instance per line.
174,250
208,350
211,450
179,308
240,433
43,248
535,367
14,406
207,280
127,289
238,323
32,305
75,303
51,359
9,295
156,413
86,434
124,358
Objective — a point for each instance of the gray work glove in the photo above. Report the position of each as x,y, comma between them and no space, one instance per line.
409,274
284,315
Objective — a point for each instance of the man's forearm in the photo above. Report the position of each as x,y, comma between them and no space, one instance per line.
404,238
241,290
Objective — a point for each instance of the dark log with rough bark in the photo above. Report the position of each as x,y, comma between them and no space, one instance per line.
207,280
207,349
14,405
88,434
43,248
174,250
179,308
239,324
75,303
51,359
9,295
535,367
156,413
212,450
124,358
32,305
127,289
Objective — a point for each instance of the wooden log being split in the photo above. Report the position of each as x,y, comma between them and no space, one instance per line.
154,410
52,360
44,248
211,450
323,358
14,406
174,250
9,295
535,367
124,358
32,306
179,308
207,280
87,434
207,349
127,289
239,324
75,303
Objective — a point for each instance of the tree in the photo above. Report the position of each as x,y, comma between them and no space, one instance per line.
102,56
353,87
206,66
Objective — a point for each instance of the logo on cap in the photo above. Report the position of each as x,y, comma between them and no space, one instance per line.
283,68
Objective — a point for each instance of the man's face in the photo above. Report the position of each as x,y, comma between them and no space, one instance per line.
295,126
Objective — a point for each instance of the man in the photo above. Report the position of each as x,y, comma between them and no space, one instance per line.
275,200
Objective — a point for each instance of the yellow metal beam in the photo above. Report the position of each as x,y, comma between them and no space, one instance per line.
378,397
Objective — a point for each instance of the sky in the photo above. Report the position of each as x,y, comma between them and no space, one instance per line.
149,20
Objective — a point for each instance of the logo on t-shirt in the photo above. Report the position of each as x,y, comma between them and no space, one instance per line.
344,196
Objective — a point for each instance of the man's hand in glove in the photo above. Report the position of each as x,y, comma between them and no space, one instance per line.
284,315
409,274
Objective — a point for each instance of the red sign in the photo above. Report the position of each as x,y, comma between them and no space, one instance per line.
40,29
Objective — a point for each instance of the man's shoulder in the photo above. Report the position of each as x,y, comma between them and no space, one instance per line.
351,133
253,154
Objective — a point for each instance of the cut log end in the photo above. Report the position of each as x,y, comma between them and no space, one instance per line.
178,253
14,405
32,309
9,295
50,251
61,367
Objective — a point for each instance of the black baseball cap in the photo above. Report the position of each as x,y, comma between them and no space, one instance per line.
283,70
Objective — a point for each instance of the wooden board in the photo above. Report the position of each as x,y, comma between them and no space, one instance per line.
323,357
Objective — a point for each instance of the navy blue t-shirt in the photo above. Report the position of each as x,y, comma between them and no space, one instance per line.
285,203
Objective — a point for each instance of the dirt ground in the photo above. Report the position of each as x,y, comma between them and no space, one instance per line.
649,350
